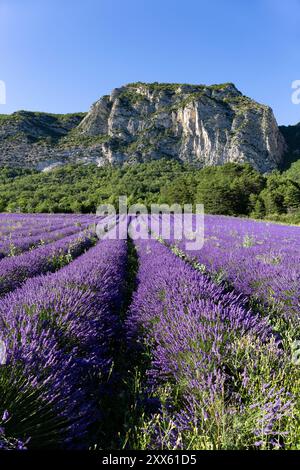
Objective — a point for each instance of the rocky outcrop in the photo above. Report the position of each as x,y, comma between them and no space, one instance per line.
203,125
29,139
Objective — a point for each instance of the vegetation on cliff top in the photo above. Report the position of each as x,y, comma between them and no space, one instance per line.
19,115
173,86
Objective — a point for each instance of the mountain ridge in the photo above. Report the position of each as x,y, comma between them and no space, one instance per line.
138,122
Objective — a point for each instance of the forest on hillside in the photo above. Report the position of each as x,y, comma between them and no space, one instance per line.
231,189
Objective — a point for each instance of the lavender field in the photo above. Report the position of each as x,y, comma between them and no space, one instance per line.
142,344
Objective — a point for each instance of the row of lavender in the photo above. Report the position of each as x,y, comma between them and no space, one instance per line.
258,259
59,248
14,271
24,233
58,330
218,374
24,224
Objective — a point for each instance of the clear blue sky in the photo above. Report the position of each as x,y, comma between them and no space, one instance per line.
62,55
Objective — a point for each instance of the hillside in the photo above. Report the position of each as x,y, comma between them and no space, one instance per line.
198,124
231,189
28,138
291,135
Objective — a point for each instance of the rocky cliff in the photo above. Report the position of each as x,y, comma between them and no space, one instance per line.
205,125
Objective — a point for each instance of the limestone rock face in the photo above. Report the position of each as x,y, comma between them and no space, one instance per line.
203,125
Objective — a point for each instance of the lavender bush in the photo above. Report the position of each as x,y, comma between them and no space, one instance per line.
216,366
58,330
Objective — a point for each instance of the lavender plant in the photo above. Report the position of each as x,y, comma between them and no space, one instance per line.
59,330
215,364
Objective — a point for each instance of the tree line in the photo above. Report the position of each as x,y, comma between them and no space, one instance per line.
230,189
